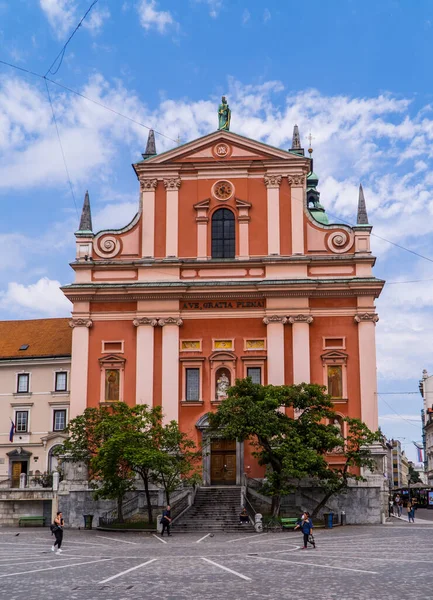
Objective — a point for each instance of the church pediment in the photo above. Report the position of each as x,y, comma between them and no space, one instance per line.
224,146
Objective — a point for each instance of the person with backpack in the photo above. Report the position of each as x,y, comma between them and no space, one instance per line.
165,521
307,530
57,530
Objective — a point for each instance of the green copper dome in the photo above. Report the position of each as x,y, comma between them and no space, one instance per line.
312,179
318,213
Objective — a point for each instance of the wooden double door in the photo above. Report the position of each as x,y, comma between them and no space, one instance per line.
223,462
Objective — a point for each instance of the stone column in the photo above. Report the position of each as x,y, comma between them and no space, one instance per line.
275,338
148,187
172,186
170,367
202,221
296,183
144,360
367,368
79,365
301,347
272,183
244,226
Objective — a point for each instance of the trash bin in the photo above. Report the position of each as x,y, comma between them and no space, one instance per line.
88,519
329,518
343,518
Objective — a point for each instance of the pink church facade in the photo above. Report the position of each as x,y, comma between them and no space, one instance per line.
229,269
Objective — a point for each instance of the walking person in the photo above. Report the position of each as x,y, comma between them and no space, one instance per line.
307,530
165,521
57,529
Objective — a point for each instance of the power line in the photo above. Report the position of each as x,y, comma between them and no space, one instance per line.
61,148
61,54
116,112
399,415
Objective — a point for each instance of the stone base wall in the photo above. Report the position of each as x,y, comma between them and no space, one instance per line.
364,503
12,511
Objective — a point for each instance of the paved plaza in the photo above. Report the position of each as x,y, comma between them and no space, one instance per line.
351,563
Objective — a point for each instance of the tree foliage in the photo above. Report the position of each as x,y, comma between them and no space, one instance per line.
293,448
414,476
120,442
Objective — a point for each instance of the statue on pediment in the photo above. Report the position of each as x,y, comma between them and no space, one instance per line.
224,115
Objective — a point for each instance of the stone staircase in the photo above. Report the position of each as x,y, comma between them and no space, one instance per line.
214,509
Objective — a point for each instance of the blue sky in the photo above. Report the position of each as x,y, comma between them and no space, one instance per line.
355,74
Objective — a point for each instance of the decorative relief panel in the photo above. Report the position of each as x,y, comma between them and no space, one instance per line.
107,246
255,344
339,241
223,344
221,150
190,345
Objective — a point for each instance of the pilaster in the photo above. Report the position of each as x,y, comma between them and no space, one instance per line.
297,183
272,183
275,343
301,347
367,367
170,367
172,186
148,187
144,357
79,365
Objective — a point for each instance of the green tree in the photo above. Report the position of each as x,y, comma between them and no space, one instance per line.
291,449
179,461
414,476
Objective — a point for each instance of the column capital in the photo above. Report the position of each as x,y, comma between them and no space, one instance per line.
153,322
79,322
170,321
272,181
366,317
301,319
275,319
296,180
148,185
172,183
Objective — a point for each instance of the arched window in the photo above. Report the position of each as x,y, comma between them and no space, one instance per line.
223,234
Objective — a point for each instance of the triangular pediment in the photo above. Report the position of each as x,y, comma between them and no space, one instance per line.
334,355
223,146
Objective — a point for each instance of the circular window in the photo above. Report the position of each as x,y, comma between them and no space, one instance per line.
223,190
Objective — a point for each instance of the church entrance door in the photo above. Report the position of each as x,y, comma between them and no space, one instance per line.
223,462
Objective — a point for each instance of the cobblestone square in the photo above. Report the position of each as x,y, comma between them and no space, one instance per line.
352,563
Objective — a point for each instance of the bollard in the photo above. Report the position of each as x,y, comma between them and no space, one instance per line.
343,518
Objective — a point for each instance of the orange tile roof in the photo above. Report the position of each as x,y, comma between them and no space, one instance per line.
45,337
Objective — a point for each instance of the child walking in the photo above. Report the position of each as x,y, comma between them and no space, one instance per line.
307,530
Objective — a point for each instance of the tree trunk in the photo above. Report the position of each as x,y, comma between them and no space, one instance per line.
120,509
148,499
324,501
276,505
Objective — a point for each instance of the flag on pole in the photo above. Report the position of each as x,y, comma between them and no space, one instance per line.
420,449
12,431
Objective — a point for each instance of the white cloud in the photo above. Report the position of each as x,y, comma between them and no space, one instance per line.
96,19
214,6
266,15
246,16
114,216
151,18
43,298
61,15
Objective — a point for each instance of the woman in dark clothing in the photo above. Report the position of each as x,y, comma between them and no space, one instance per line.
58,532
165,521
307,530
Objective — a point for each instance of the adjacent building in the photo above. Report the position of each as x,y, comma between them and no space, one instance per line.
35,360
426,390
400,465
230,268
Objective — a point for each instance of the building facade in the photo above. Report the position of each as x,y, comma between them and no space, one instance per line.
426,390
35,361
400,465
229,269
